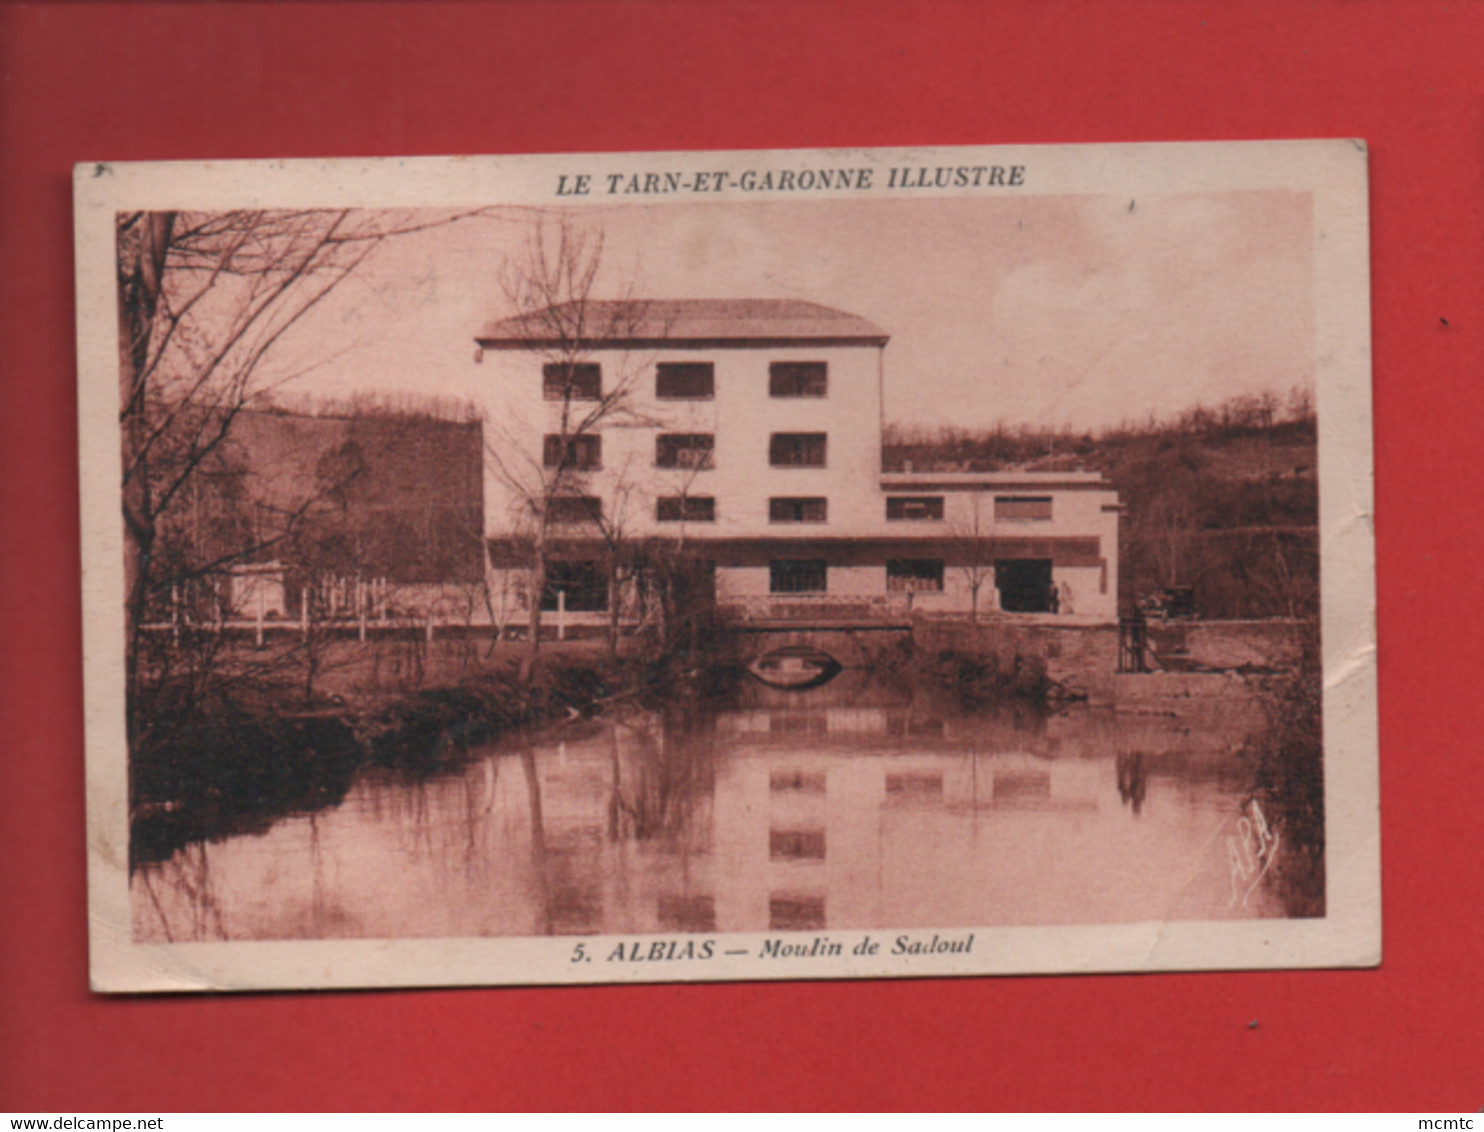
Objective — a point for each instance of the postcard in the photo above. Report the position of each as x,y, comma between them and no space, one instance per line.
718,566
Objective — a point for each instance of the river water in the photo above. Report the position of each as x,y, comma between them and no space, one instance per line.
853,805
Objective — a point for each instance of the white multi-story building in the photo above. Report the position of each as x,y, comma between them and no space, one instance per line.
751,430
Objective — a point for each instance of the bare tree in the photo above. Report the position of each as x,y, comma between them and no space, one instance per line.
651,573
975,549
682,582
552,287
208,302
1298,404
1164,530
616,522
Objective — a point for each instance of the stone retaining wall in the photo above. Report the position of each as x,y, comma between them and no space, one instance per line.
853,648
1083,659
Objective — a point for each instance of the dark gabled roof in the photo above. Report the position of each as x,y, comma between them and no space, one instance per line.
682,324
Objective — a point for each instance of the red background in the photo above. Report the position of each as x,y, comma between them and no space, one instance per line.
122,81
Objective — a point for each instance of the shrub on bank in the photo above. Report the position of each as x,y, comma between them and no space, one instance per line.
980,679
1288,780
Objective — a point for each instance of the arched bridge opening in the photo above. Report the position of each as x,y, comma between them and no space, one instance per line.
854,647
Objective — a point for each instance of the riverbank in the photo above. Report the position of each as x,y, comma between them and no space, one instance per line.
259,748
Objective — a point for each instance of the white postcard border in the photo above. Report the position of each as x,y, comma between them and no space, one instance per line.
1349,935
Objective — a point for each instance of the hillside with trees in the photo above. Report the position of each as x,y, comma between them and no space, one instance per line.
1222,499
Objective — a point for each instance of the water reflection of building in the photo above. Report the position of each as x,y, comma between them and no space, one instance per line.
623,842
866,811
853,814
815,839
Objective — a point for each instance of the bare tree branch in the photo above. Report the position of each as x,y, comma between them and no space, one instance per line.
207,302
551,287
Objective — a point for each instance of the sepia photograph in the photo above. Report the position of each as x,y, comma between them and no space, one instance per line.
798,564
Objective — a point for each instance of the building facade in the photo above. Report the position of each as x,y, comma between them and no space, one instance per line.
750,433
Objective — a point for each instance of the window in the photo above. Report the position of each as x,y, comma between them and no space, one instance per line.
914,575
793,722
686,508
797,450
797,576
791,913
1021,508
582,452
922,786
687,913
572,381
685,381
684,450
574,509
796,844
797,379
800,781
797,510
583,586
918,508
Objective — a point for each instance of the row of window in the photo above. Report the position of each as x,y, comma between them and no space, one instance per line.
681,381
811,575
584,585
688,508
689,450
1007,508
794,508
1023,585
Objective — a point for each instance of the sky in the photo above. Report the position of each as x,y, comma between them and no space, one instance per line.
1047,310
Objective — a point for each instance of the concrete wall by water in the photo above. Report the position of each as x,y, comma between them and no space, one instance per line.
1081,658
1084,658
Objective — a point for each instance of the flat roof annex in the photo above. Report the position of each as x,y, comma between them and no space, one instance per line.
681,324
